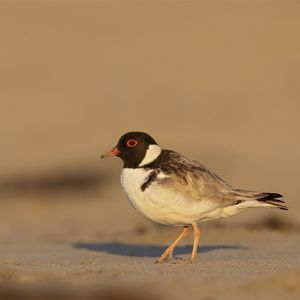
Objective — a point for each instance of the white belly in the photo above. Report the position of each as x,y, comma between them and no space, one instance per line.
164,205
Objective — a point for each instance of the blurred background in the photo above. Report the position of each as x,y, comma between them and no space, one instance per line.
218,81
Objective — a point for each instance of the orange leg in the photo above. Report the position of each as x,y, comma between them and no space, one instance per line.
169,251
196,242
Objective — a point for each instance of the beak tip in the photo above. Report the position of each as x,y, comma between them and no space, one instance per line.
113,152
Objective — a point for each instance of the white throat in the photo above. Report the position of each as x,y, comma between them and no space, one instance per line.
152,154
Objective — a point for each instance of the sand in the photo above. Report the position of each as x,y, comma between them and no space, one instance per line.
64,248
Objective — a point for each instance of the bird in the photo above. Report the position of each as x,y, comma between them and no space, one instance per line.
171,189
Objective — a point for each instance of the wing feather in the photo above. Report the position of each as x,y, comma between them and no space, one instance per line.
192,179
189,177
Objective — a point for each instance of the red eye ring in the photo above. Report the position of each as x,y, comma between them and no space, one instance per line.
131,143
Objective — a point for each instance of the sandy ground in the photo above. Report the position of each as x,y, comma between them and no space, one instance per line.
215,80
59,247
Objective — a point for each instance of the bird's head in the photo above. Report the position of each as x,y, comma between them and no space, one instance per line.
136,149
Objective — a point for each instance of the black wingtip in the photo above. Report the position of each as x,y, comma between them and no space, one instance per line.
283,208
269,196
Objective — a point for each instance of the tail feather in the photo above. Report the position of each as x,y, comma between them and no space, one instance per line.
270,198
267,198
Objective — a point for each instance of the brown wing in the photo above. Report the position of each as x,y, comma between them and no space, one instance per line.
189,177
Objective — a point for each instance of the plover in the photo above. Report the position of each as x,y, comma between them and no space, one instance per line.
171,189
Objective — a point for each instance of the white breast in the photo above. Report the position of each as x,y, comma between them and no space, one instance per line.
163,205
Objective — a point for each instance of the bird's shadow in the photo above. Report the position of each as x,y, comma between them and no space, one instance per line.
138,250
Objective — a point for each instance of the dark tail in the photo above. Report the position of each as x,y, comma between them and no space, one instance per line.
264,198
271,198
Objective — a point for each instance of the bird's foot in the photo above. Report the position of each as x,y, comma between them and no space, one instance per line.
167,256
167,259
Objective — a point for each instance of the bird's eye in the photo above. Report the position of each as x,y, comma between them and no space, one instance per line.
132,143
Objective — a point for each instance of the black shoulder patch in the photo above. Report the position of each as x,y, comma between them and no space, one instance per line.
150,179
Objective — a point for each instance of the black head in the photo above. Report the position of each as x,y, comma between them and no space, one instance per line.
136,149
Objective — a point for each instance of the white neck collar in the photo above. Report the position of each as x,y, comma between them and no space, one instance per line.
151,155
